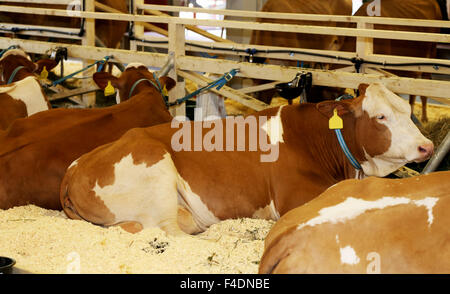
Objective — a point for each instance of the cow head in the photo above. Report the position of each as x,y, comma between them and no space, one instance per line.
133,72
385,136
17,57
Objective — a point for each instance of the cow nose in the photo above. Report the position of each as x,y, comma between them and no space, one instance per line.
426,150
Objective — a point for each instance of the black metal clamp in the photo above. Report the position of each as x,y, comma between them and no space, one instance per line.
299,86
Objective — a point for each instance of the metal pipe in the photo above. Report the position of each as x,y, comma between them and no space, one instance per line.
438,156
167,66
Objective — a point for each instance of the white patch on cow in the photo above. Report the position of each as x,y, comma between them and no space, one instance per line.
269,212
359,174
429,203
203,217
337,239
135,65
348,255
74,163
118,99
274,128
380,165
405,136
28,90
7,88
19,52
142,193
353,207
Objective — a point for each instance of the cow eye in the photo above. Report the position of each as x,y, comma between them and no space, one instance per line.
381,117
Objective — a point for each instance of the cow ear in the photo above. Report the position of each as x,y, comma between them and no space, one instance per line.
29,65
327,108
102,78
362,89
48,63
168,82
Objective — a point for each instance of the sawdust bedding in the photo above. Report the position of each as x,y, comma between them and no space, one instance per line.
46,241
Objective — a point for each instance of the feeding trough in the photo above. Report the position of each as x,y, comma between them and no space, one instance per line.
6,265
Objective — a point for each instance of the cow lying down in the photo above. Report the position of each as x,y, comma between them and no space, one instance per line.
36,151
374,225
182,178
22,94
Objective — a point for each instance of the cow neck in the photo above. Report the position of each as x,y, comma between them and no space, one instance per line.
141,88
322,144
144,80
16,68
17,73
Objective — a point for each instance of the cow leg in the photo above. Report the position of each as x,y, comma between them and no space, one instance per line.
186,221
137,189
152,197
131,227
423,98
424,108
412,100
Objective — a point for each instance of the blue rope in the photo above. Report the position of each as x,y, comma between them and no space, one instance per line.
344,97
7,49
102,62
14,73
207,55
341,140
344,148
141,80
218,84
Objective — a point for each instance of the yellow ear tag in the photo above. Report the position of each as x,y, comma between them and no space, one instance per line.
164,91
335,121
44,73
109,89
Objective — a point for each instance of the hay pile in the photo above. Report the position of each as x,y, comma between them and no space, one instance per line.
436,130
45,241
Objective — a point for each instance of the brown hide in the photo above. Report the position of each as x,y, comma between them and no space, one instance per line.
36,151
109,32
401,235
10,108
293,40
231,184
307,41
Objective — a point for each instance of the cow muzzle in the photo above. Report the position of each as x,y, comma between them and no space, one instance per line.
425,151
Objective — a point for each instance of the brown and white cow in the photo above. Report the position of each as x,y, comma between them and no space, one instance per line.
36,151
154,177
411,9
376,225
23,96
